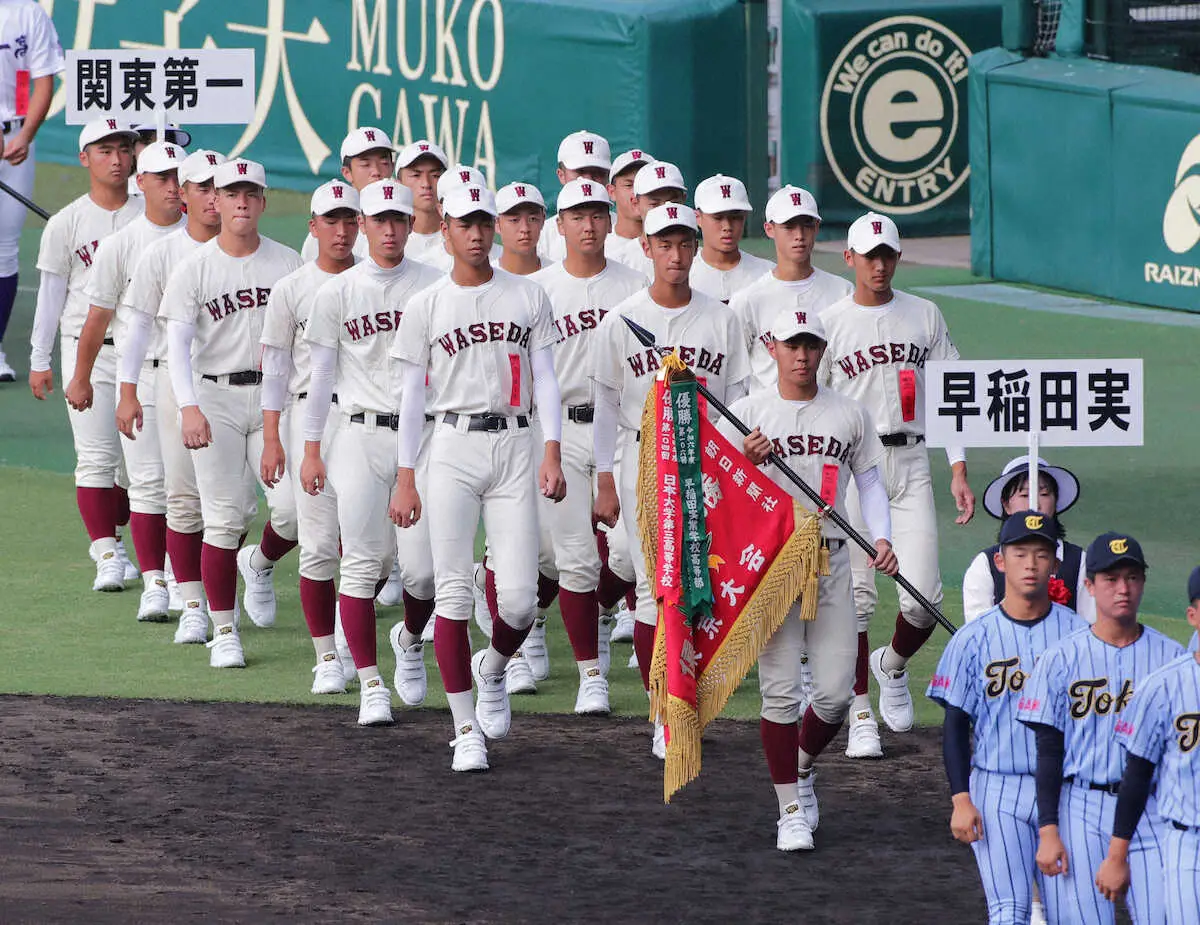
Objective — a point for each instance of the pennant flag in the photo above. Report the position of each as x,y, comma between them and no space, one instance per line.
730,552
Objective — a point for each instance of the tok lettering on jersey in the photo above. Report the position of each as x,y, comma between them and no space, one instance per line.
646,361
228,303
585,320
366,325
484,332
87,253
1089,695
811,445
1188,727
1004,676
861,361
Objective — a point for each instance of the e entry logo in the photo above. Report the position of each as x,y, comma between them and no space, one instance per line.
891,113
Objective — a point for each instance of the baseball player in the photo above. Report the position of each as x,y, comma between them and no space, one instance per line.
653,185
708,339
722,268
158,180
581,290
879,342
521,222
30,56
367,157
1075,702
285,363
990,757
419,166
212,303
1159,733
148,135
628,226
1194,607
581,154
438,256
826,438
1058,490
484,340
66,255
349,334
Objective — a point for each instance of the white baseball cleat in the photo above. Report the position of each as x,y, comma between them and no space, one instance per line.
491,706
392,593
174,598
110,573
792,830
534,649
518,675
895,699
658,747
193,624
808,799
131,570
863,738
633,660
470,750
155,604
603,641
410,679
623,631
483,616
225,650
328,677
592,699
259,599
375,704
7,373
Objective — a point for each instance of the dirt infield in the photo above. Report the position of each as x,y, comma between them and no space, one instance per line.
143,811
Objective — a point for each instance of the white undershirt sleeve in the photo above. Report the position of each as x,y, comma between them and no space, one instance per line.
180,335
604,427
51,298
138,329
876,509
412,414
955,454
322,367
276,369
546,393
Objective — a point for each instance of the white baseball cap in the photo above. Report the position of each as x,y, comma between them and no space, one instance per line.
160,157
172,133
791,202
240,171
103,128
722,194
669,215
792,322
656,176
458,175
468,198
871,231
199,166
581,191
515,194
385,196
634,157
584,149
366,138
334,195
419,149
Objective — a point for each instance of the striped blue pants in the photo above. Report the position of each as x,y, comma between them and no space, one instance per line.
1181,875
1005,854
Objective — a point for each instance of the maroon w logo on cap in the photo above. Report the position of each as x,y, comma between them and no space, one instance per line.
520,191
370,135
801,318
726,189
170,149
660,172
672,212
423,147
388,191
588,146
465,176
112,125
795,199
587,188
636,155
242,167
877,227
212,160
475,194
337,191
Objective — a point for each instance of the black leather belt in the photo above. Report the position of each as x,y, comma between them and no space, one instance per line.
7,127
390,421
246,377
492,423
154,364
1185,828
109,342
332,398
581,414
833,544
1103,788
901,439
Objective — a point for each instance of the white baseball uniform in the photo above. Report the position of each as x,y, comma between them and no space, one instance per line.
355,317
631,253
708,339
760,303
213,303
66,255
433,253
723,285
579,305
877,356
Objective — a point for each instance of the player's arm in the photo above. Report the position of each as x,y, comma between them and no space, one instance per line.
51,299
322,368
405,509
192,422
966,824
607,507
960,488
877,512
91,339
276,368
549,404
139,329
1112,879
45,60
1052,857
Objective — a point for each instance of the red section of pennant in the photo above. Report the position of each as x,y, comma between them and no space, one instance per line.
514,362
908,394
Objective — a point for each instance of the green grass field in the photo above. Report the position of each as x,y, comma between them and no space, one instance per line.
64,639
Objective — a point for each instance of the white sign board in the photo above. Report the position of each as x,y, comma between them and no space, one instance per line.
196,86
1061,402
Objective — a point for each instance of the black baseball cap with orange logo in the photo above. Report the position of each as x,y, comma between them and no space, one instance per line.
1029,525
1109,550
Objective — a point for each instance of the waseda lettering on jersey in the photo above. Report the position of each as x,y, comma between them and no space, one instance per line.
366,325
484,332
226,304
1188,727
861,361
1004,675
812,445
584,320
87,253
646,361
1089,696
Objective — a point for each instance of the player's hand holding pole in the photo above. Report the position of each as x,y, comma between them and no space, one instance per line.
1112,879
965,822
405,509
312,469
885,558
550,475
1052,853
193,426
607,507
41,383
757,446
129,411
964,498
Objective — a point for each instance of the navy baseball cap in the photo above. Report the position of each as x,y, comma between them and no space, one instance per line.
1194,584
1029,525
1109,550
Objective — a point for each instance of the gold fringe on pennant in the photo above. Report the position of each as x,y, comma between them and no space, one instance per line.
682,765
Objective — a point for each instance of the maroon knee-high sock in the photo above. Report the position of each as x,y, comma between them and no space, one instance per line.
489,592
908,639
218,569
547,591
318,600
96,510
358,623
120,500
643,645
149,540
631,597
184,550
416,613
579,613
611,588
452,647
861,671
780,743
815,733
506,639
273,546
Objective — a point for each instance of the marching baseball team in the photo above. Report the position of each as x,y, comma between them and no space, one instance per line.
405,378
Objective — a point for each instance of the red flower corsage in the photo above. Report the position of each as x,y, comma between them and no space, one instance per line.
1059,593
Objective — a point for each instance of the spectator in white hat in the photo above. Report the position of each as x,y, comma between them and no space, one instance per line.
722,267
521,218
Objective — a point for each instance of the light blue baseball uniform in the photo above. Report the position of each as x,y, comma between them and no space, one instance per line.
1194,644
1162,725
983,672
1082,686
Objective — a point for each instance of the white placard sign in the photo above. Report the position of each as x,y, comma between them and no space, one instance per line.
193,86
1060,402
